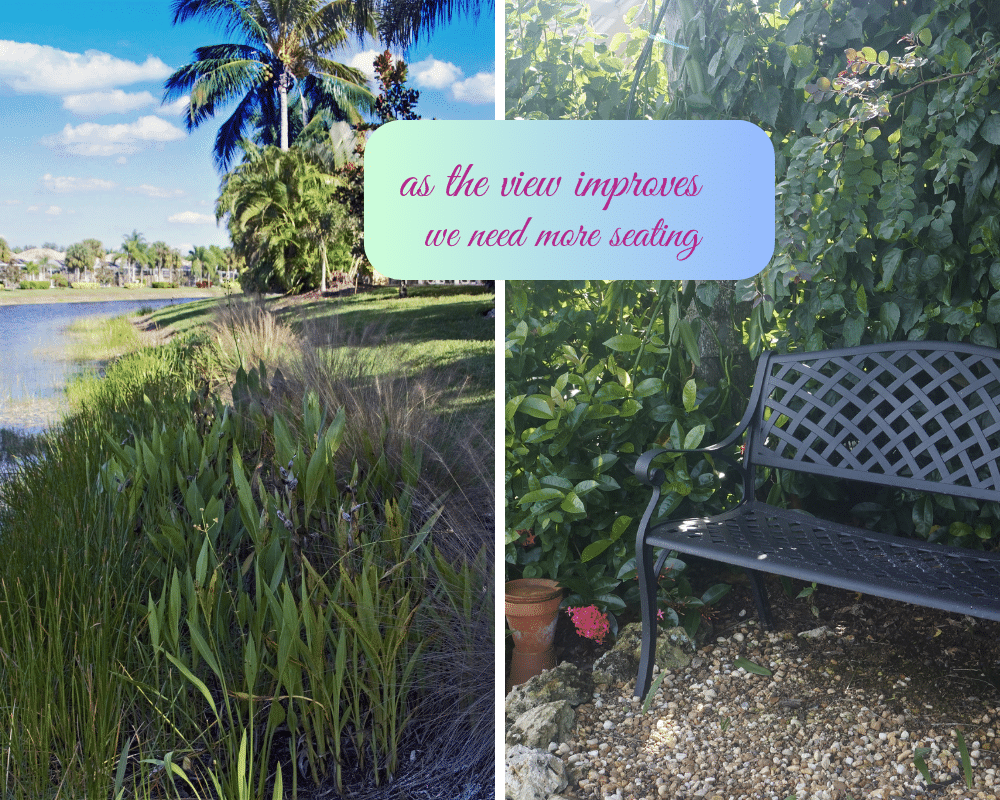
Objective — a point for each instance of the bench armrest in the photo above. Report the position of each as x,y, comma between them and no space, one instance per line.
653,476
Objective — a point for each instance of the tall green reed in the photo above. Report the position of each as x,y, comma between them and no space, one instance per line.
221,596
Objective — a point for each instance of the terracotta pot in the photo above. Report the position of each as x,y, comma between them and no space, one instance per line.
531,608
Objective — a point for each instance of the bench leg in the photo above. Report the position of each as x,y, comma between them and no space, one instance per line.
647,604
760,600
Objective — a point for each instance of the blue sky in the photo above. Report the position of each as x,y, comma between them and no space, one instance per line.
88,151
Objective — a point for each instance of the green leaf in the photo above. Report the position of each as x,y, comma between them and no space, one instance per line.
861,298
689,340
619,526
648,388
963,752
715,593
801,55
890,263
749,666
623,343
572,504
694,437
594,549
541,496
854,328
690,395
194,681
538,406
990,129
918,761
653,687
925,36
889,316
511,408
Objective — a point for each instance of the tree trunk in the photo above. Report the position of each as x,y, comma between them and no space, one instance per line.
322,256
723,320
283,83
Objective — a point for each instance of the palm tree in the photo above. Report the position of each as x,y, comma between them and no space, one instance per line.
402,22
281,215
285,53
134,250
159,253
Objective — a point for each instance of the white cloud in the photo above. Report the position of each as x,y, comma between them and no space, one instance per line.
477,90
433,74
156,191
31,208
67,183
365,61
91,139
191,218
176,108
53,211
33,68
93,104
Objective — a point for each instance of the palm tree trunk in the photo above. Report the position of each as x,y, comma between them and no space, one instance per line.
283,83
322,256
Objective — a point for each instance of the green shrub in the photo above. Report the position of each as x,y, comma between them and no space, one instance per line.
164,285
35,284
60,281
596,372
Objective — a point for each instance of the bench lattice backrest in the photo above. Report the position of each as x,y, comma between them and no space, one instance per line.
917,415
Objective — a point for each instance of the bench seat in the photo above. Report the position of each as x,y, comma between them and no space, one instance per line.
786,542
914,416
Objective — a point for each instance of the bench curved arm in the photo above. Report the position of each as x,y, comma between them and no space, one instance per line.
646,473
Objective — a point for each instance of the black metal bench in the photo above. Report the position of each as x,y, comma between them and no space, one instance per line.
920,416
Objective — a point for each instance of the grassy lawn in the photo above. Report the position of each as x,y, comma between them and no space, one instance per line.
435,329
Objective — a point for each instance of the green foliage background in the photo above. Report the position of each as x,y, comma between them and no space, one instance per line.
595,372
885,120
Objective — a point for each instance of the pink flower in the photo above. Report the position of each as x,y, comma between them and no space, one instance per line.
659,613
590,622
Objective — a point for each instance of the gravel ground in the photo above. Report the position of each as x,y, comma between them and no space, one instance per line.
841,716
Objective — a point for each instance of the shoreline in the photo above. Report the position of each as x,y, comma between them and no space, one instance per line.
18,297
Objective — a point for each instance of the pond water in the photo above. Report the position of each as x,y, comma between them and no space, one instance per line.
34,366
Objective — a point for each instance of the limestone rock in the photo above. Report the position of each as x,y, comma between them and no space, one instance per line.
533,775
621,663
564,682
538,727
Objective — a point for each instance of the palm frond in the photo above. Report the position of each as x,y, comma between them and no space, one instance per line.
230,15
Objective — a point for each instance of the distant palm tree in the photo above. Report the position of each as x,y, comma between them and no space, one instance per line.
134,250
285,52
